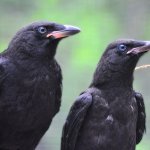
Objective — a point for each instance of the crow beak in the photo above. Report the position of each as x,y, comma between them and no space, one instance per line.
67,31
141,49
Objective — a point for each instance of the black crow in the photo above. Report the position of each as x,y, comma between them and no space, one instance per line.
109,115
30,84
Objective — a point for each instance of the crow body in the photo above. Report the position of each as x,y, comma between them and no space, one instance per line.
30,84
109,115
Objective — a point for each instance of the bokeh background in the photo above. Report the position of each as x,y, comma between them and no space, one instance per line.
101,22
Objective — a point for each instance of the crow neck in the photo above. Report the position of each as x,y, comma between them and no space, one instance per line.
108,79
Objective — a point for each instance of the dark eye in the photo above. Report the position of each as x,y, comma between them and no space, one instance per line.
122,47
42,30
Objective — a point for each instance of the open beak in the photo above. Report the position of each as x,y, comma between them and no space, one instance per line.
67,31
141,49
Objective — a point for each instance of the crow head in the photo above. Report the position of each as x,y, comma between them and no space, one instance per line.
40,39
119,60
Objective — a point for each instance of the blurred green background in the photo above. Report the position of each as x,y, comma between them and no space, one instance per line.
101,22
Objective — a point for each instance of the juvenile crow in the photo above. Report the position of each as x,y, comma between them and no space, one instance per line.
109,115
30,84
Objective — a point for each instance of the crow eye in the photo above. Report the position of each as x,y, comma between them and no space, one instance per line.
42,30
122,47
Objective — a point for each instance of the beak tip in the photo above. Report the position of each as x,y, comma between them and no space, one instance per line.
72,29
137,50
147,43
67,31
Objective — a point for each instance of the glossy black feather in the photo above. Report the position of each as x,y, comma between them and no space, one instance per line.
141,122
114,118
74,121
30,95
30,88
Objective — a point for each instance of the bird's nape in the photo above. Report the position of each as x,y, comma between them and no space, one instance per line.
40,39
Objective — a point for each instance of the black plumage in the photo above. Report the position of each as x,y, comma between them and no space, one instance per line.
30,84
109,115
